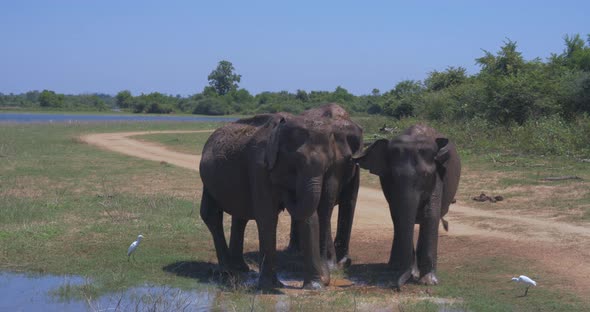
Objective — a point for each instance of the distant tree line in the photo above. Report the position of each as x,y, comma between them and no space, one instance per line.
507,90
49,100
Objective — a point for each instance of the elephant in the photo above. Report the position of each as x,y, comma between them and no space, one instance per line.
341,184
419,172
253,169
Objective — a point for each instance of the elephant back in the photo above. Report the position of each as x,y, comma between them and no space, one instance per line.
232,140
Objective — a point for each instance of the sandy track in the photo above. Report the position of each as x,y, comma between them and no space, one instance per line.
121,143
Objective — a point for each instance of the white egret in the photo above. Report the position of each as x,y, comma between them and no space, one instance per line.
525,280
133,247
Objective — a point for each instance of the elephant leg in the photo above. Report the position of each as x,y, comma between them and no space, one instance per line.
325,209
327,252
415,270
212,215
330,250
293,246
346,210
267,236
236,245
402,249
427,251
316,273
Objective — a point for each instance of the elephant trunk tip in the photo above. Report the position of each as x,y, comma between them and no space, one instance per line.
445,224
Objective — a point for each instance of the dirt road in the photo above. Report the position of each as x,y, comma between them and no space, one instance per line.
570,242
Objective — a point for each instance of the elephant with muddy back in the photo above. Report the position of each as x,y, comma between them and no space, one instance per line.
254,168
419,172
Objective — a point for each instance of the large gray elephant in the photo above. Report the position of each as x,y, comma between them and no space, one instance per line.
255,167
419,173
341,184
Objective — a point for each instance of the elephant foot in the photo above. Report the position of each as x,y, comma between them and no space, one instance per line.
345,262
331,264
428,279
415,273
313,285
266,283
402,278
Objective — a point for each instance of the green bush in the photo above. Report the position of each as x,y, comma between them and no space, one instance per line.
212,106
438,106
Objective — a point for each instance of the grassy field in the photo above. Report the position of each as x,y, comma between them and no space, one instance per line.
69,208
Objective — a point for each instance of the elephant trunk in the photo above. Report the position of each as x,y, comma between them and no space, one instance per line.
307,197
404,212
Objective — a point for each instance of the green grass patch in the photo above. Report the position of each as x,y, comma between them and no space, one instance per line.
190,143
484,286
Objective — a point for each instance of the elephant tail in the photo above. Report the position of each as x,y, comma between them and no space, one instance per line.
445,224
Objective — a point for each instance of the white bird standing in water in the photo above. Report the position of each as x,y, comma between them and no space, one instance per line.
525,280
133,247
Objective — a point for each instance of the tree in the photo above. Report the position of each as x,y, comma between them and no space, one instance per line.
223,78
577,54
508,62
124,99
98,103
49,98
441,80
302,95
341,95
406,88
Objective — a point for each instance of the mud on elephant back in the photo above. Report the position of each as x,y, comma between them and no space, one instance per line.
254,168
419,172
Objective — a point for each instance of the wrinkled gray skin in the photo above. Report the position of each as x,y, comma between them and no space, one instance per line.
252,169
341,184
419,173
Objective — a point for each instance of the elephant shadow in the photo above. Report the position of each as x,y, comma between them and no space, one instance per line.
204,272
375,274
289,265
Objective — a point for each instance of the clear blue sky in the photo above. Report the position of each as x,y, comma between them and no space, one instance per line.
171,46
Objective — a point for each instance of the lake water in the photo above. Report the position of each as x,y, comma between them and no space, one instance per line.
27,292
69,118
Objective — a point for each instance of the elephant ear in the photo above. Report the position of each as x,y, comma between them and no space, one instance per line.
442,156
272,146
374,158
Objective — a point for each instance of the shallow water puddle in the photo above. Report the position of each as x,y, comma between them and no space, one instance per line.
29,292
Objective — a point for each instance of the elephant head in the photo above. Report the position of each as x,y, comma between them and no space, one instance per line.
413,163
298,154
